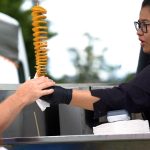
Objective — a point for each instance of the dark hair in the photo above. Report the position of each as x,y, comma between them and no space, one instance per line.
145,3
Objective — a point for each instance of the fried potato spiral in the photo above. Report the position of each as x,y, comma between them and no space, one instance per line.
40,34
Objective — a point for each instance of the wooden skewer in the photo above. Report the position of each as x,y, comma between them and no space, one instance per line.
36,123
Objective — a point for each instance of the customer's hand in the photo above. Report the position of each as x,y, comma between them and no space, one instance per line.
32,89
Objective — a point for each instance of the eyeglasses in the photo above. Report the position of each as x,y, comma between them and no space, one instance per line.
141,25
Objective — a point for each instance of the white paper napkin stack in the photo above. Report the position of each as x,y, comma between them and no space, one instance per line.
122,127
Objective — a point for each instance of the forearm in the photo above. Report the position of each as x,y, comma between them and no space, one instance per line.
74,97
9,109
83,99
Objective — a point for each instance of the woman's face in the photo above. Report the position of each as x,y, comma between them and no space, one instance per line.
144,28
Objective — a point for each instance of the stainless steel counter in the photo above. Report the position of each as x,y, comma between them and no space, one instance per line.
82,142
75,139
12,87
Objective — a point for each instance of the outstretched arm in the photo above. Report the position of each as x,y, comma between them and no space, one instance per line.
79,98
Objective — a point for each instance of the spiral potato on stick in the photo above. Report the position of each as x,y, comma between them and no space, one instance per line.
40,35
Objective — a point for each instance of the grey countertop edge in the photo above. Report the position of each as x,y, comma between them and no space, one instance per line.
75,139
66,85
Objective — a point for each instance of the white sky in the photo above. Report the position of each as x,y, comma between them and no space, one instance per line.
109,20
5,73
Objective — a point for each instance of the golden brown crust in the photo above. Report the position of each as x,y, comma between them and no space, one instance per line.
40,36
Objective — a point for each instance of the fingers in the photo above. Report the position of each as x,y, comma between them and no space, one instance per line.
43,83
46,92
32,89
42,79
48,84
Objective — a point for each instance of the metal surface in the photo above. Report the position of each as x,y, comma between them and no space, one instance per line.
13,87
9,41
82,142
76,139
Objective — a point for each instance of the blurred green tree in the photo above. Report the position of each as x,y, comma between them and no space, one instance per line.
90,67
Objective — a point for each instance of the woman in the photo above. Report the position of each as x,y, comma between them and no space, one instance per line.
133,96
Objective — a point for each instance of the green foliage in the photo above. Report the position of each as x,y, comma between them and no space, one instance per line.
13,9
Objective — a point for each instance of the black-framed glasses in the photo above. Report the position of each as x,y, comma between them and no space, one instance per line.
141,25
